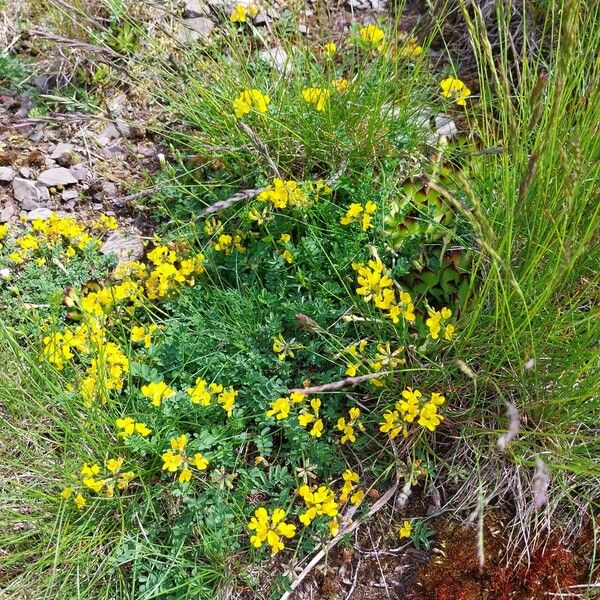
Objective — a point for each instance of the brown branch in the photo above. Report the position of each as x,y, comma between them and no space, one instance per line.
336,385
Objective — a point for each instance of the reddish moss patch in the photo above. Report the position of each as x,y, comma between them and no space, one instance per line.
453,571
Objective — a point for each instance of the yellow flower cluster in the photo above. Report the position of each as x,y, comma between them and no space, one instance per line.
437,322
106,372
280,408
175,459
65,234
311,417
140,333
357,213
405,530
282,194
270,529
91,479
156,392
375,285
282,348
316,96
317,502
455,89
240,12
408,409
129,427
347,426
249,100
383,359
350,489
202,393
371,36
171,272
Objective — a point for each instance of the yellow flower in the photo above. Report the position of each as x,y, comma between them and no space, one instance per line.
392,425
411,49
318,502
405,530
455,89
227,400
249,100
372,280
3,231
79,501
371,35
316,96
95,485
347,427
199,394
185,475
114,464
87,471
283,193
409,406
171,461
437,321
270,529
306,418
334,527
428,417
157,392
341,85
282,348
200,462
240,12
128,427
280,408
358,213
329,49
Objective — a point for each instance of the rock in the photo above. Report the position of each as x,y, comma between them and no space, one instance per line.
7,213
379,5
80,172
109,189
125,243
39,213
25,172
199,28
277,58
69,195
303,29
28,193
57,176
63,154
262,18
60,149
195,8
357,4
445,126
7,174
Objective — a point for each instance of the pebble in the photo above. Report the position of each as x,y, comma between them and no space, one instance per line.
199,28
29,193
7,174
70,195
60,149
80,172
39,213
195,8
57,176
277,58
125,243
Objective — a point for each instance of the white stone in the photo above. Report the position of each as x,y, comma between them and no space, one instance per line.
80,172
195,8
125,243
277,58
7,174
56,176
61,148
39,213
26,191
199,27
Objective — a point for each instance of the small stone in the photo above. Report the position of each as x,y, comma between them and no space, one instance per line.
69,195
60,149
262,18
199,27
448,129
26,192
57,176
7,213
70,205
109,189
80,172
39,213
7,174
277,58
25,172
303,29
125,243
195,8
